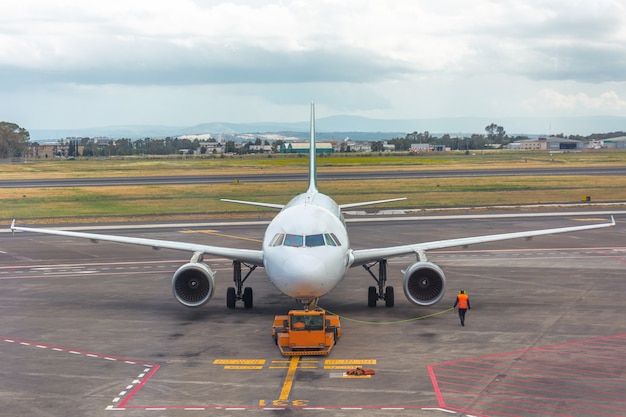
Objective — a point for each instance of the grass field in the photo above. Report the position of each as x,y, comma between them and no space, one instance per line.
54,205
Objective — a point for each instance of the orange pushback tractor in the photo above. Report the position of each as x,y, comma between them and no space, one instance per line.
306,332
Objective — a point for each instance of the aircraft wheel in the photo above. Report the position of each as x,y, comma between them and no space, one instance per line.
231,297
247,297
389,297
372,296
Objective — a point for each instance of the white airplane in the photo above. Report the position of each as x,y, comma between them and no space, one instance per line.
306,253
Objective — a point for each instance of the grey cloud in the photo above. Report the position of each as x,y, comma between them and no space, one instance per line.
573,42
581,62
169,65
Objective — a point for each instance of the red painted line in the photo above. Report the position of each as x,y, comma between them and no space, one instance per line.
79,275
575,378
139,386
82,352
556,396
433,379
90,264
615,258
470,383
539,409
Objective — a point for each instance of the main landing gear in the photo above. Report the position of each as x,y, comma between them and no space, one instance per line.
239,293
381,293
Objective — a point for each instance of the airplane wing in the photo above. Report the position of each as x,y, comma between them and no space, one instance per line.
363,256
254,257
254,203
369,203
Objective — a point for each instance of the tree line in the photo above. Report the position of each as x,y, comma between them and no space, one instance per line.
13,140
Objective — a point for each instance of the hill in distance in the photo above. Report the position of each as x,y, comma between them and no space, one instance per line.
357,127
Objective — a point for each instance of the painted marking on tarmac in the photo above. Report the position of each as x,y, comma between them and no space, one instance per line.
289,379
148,369
240,364
347,363
216,233
238,361
130,389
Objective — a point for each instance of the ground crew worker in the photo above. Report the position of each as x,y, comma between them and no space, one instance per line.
463,304
298,323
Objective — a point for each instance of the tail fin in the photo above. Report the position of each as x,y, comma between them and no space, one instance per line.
312,154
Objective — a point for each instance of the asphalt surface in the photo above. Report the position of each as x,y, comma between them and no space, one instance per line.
293,177
93,329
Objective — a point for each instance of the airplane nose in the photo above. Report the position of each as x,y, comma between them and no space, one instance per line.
303,275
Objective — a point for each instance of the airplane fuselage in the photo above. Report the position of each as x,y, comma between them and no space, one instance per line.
306,249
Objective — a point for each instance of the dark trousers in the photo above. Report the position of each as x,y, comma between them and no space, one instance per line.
462,312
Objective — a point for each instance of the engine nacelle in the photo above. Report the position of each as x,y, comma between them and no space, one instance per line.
424,283
193,284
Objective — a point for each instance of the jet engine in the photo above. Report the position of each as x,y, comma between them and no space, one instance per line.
424,283
193,284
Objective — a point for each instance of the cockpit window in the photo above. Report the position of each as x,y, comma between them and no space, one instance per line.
314,240
293,240
310,241
332,235
278,239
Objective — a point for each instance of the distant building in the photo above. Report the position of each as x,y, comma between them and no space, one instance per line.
303,147
388,147
419,147
551,143
54,149
211,147
615,143
261,148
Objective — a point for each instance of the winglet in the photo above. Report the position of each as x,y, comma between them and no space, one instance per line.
312,154
13,227
612,221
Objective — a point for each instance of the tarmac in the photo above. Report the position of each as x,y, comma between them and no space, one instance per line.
93,329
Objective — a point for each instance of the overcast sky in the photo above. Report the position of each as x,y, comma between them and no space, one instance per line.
79,63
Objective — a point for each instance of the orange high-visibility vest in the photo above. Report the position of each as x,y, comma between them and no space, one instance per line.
462,301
